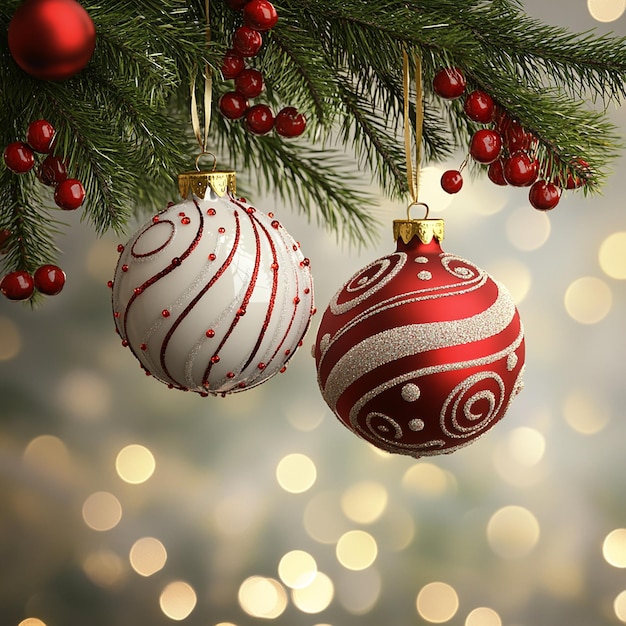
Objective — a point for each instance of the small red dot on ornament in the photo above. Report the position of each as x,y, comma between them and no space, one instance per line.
241,385
170,204
210,333
295,248
250,210
261,366
124,268
230,375
215,358
211,212
307,291
203,394
275,224
305,262
274,266
313,311
120,248
299,344
155,219
110,284
283,369
165,313
116,314
221,230
176,261
287,352
212,257
125,342
137,290
241,312
270,215
296,300
185,221
143,346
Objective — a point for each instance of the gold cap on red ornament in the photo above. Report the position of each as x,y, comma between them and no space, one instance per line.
426,230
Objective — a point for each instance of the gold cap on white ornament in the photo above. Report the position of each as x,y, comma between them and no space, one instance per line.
198,181
425,229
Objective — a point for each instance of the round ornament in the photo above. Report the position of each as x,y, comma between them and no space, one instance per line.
420,352
17,285
212,295
51,39
19,157
49,279
40,136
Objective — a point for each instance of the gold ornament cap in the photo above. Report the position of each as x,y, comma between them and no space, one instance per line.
198,181
425,229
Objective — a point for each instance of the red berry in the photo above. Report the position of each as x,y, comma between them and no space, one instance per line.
69,194
249,83
479,107
486,145
232,64
451,181
496,174
260,15
49,279
574,182
290,123
19,157
516,137
233,105
247,41
40,136
449,83
544,195
52,171
259,119
18,285
237,5
520,170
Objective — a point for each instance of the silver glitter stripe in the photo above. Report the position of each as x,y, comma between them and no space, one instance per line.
396,343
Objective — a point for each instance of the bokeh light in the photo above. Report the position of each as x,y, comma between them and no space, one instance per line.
31,621
135,464
612,255
614,548
296,473
315,597
356,549
512,532
437,602
483,616
526,445
147,556
323,518
84,395
102,511
358,592
364,502
10,340
297,569
586,411
588,300
514,274
527,229
177,600
104,568
428,480
619,606
606,10
49,454
262,597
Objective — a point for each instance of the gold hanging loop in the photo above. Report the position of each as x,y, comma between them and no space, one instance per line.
412,171
408,210
203,137
206,153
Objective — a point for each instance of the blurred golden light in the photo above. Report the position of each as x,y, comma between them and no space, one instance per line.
315,597
358,592
296,473
426,479
606,10
512,532
356,549
614,548
104,568
619,606
514,274
527,229
48,453
102,511
297,569
225,624
483,616
563,578
364,502
177,600
147,556
612,255
10,340
31,621
84,395
323,519
586,411
588,300
397,529
437,602
135,464
262,597
526,445
303,418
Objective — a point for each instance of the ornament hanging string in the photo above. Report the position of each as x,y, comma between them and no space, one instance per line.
203,138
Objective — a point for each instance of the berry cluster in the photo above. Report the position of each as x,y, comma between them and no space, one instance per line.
20,285
19,157
506,147
258,16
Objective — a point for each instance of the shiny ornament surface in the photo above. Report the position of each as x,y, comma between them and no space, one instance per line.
212,295
420,352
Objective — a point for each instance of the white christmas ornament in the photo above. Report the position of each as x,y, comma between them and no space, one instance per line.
212,295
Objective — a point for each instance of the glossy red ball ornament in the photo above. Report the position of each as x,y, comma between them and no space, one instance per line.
260,15
69,194
52,171
544,195
259,119
49,279
449,83
479,107
17,285
233,105
247,41
19,157
232,64
485,145
496,174
51,39
420,352
249,83
520,169
451,181
290,123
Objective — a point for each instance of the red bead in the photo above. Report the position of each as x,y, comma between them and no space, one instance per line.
516,137
247,41
233,105
520,169
120,247
249,83
40,136
210,333
17,285
496,173
49,279
259,119
479,107
69,194
232,64
544,195
165,313
52,171
486,145
275,224
19,157
449,83
451,181
260,15
124,268
290,123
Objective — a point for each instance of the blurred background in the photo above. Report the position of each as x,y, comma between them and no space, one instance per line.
125,503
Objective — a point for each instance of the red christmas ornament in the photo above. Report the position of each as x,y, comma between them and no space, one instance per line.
544,195
496,174
40,136
479,107
51,39
17,285
290,123
249,83
232,64
486,145
49,279
69,194
520,169
247,41
52,171
19,157
260,15
259,119
233,105
449,83
420,352
451,181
